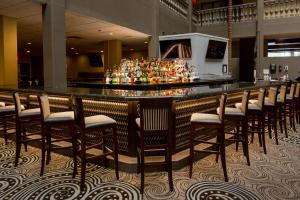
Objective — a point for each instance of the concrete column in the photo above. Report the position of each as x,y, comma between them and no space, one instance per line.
153,43
54,44
8,51
190,15
112,53
259,38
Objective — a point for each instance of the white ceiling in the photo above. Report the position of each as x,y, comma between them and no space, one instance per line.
91,31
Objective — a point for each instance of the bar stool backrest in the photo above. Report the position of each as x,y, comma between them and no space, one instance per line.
245,101
272,95
261,98
156,115
282,94
292,90
222,107
44,106
78,111
17,102
297,90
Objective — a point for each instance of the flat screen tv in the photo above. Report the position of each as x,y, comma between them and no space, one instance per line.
216,49
179,48
95,60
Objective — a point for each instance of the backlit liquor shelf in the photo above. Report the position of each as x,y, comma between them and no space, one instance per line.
153,75
122,105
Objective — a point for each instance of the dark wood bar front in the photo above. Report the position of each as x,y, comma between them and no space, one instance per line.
122,105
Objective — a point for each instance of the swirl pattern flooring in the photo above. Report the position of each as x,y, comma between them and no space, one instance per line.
275,175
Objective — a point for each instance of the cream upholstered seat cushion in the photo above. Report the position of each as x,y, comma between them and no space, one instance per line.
289,97
250,106
255,101
2,104
267,102
60,116
10,108
232,111
98,120
205,118
30,112
138,122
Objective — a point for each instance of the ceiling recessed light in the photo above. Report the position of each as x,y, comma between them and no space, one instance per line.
111,33
27,51
29,43
146,42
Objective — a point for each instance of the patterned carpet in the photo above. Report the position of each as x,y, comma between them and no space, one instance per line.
272,176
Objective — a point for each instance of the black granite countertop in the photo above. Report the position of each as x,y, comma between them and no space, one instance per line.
152,86
132,95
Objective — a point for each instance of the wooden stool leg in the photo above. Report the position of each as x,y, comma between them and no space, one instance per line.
24,137
43,151
191,159
115,149
275,126
258,129
293,115
280,119
142,169
73,134
252,127
284,120
48,149
104,150
262,132
245,141
269,125
170,176
237,137
218,139
222,152
18,143
83,160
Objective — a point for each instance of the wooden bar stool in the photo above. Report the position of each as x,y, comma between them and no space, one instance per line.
24,119
7,112
56,120
270,111
105,128
281,108
239,118
154,131
290,106
297,103
211,121
256,116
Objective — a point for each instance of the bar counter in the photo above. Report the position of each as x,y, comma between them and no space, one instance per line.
122,105
214,80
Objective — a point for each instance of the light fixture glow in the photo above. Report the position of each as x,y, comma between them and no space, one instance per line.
72,48
146,42
29,43
131,49
76,53
27,51
101,51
